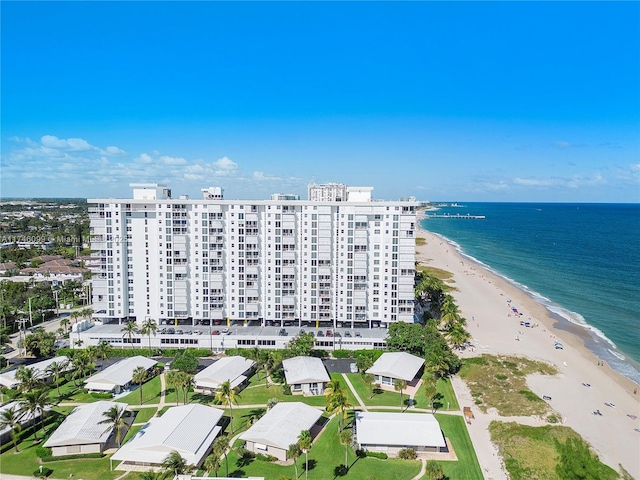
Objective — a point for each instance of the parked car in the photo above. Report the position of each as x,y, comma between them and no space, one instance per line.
282,332
329,333
215,332
347,334
179,332
337,334
226,331
319,334
353,367
358,334
170,331
301,331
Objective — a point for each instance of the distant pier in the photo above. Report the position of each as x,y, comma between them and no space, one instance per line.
457,215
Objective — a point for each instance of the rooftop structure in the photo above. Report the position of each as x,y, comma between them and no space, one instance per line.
305,374
279,428
8,379
232,369
190,430
394,431
118,376
81,431
400,365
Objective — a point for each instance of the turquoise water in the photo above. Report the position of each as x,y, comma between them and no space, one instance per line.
581,260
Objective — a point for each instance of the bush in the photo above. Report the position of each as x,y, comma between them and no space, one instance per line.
380,455
43,452
42,474
246,454
319,353
286,389
407,454
342,354
265,458
72,457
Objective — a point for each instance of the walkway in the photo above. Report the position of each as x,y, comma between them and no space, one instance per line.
353,390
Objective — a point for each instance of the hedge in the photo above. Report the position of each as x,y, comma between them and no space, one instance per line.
72,457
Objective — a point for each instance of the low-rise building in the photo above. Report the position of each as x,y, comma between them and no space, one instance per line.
189,430
305,375
391,432
81,432
25,421
233,369
279,428
118,377
8,379
392,366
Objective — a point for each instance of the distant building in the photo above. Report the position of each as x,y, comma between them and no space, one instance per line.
327,262
284,196
8,378
327,192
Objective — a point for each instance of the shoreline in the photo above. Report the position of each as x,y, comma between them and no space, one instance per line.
482,296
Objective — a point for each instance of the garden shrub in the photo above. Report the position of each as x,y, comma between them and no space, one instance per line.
72,457
101,395
286,389
407,454
380,455
265,458
342,354
42,474
43,452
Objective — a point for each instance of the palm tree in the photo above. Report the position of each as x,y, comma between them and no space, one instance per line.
400,385
64,323
220,447
86,313
265,362
129,330
115,420
174,464
28,378
272,402
227,396
333,386
458,335
149,326
430,388
55,371
294,453
10,418
34,404
139,376
369,378
346,437
173,380
81,364
212,464
338,403
151,475
305,441
104,350
185,380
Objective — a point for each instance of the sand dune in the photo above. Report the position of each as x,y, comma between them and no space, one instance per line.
483,300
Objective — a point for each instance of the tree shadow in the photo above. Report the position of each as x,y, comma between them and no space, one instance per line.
436,404
340,471
312,464
238,473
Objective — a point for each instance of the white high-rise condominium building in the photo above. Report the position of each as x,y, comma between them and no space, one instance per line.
321,263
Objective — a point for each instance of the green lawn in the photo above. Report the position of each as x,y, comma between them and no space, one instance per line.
150,393
381,398
143,415
467,466
132,431
448,401
326,454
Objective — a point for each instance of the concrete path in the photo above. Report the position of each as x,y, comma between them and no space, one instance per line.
423,469
353,390
163,396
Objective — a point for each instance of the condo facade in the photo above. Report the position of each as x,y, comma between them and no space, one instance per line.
296,262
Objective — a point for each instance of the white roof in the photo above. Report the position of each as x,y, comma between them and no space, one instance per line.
118,374
227,368
398,429
190,430
8,379
281,426
304,370
397,365
24,418
82,426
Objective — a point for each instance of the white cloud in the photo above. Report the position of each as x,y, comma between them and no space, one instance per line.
225,166
262,177
165,159
575,181
75,144
114,151
562,144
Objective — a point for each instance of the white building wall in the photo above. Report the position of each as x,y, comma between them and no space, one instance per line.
288,261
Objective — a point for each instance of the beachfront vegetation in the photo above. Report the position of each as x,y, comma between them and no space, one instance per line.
498,381
467,465
546,452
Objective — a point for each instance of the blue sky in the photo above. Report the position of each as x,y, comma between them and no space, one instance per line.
451,101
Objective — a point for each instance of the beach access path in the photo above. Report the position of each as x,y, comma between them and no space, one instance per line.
486,301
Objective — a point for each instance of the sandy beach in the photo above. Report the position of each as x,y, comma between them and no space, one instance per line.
483,299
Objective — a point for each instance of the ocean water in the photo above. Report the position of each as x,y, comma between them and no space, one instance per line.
582,261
